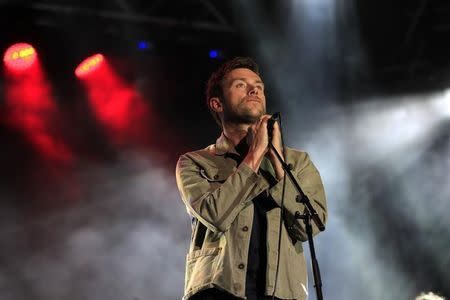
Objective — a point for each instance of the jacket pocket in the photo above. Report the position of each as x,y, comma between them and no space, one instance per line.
212,175
201,266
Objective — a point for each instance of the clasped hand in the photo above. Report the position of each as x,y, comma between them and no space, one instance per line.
258,141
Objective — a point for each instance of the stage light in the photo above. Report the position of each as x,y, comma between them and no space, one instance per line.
117,106
214,54
144,45
20,57
30,106
89,65
441,103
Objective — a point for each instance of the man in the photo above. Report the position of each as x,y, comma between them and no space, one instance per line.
233,190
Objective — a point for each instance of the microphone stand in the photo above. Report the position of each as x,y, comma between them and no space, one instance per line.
309,214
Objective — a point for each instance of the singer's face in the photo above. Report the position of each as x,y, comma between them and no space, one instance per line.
244,100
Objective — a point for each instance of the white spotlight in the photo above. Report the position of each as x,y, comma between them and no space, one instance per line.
442,103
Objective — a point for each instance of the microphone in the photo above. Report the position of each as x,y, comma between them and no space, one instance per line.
274,118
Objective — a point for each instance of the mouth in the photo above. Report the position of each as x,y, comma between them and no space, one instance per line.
253,99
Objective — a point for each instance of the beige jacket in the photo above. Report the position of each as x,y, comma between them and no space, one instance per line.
218,195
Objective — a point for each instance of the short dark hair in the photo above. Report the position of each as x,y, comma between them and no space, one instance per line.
215,81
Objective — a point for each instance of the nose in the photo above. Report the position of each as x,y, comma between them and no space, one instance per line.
252,90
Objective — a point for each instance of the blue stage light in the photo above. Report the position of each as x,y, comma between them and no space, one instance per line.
144,45
214,54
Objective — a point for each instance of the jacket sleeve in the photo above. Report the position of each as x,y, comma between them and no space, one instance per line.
309,180
215,204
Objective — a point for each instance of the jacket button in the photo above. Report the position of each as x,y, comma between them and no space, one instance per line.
245,228
241,266
216,176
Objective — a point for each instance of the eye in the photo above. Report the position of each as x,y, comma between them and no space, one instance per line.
240,85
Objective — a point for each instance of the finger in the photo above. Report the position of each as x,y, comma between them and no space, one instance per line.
264,121
276,126
263,126
265,117
276,123
258,124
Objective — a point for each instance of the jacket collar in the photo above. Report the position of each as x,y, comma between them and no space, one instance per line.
224,145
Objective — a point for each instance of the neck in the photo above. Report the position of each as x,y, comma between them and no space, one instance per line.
235,132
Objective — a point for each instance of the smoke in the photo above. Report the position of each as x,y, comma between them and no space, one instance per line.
384,171
127,240
387,187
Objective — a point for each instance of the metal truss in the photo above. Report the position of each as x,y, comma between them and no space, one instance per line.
203,15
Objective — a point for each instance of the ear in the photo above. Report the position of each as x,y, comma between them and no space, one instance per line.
215,104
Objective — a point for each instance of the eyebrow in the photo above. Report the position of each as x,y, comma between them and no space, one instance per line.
243,79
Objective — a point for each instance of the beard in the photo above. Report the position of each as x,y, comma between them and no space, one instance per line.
241,114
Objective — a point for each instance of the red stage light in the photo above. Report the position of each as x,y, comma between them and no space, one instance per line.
89,65
30,106
20,57
117,106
